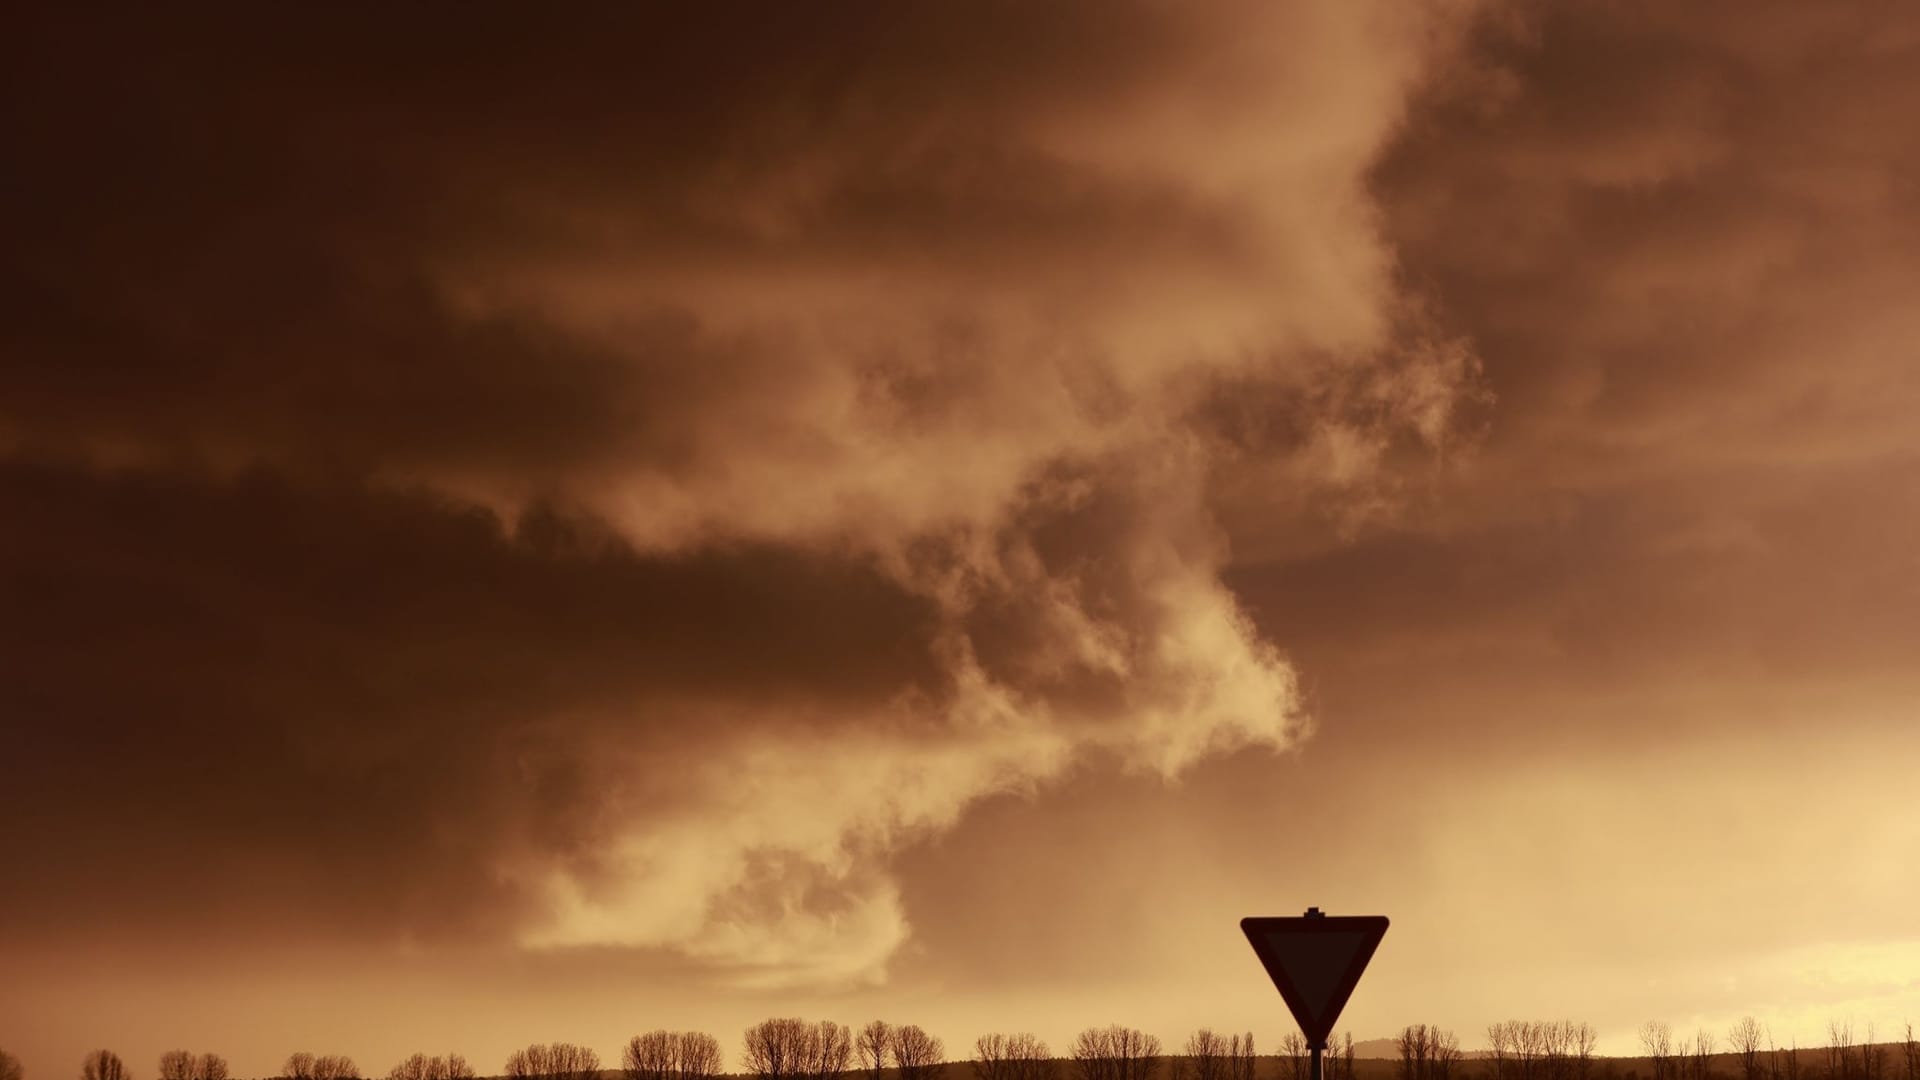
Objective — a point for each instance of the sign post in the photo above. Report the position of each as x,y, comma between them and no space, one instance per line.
1315,960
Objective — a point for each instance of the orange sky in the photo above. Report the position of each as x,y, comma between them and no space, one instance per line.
544,531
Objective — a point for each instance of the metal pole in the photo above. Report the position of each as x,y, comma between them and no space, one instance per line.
1316,1062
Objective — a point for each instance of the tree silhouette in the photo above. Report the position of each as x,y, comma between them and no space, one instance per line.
698,1056
103,1065
1115,1052
1744,1039
828,1050
1657,1038
1012,1057
1699,1056
916,1054
10,1067
183,1065
1445,1048
1427,1053
650,1056
335,1067
553,1061
1205,1057
1293,1050
775,1049
873,1045
1583,1041
1242,1063
1501,1051
671,1055
422,1067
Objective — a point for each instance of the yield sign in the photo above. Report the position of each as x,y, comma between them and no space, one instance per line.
1315,961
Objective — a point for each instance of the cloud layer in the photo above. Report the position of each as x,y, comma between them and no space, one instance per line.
618,484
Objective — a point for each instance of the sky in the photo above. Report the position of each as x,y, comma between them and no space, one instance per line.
522,528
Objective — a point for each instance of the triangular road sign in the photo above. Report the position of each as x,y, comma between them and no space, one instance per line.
1315,961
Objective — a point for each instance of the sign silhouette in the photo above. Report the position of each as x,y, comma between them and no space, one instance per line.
1315,961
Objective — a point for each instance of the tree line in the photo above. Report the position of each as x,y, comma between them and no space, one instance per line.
789,1048
783,1048
1757,1056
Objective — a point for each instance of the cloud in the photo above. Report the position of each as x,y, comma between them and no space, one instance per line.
1649,222
1676,242
618,484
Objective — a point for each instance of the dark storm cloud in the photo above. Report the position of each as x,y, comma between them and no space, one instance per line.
615,481
221,692
770,494
1680,240
1676,233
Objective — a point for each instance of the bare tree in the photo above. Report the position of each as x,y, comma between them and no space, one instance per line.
872,1045
992,1056
1241,1060
671,1055
1137,1051
1206,1056
1209,1055
1699,1057
1584,1041
1535,1049
1021,1056
775,1049
1657,1038
700,1056
422,1067
1568,1053
1909,1053
1427,1053
575,1062
335,1067
916,1054
184,1065
1444,1048
1744,1040
1412,1045
829,1050
1115,1052
10,1067
1873,1065
1343,1061
1293,1050
530,1062
103,1065
650,1057
553,1061
1840,1051
1032,1058
1501,1050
